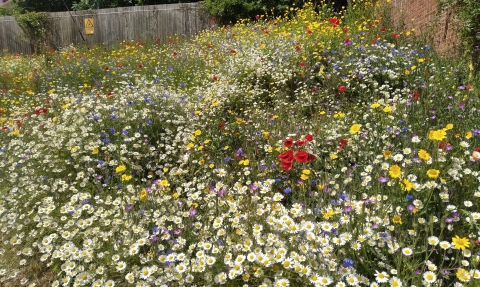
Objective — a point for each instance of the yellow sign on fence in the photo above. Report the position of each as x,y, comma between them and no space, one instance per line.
89,26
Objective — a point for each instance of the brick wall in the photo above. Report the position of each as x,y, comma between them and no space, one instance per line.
422,15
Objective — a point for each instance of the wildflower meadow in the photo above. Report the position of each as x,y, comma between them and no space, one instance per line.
318,148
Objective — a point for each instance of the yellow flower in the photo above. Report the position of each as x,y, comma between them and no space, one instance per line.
304,176
211,165
201,162
433,173
126,177
355,128
449,127
306,171
190,145
387,109
468,135
164,182
437,135
198,132
407,185
423,154
328,214
397,219
333,156
95,150
460,243
395,171
120,168
16,132
374,106
463,275
387,154
143,194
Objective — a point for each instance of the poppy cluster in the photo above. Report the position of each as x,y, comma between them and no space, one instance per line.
288,157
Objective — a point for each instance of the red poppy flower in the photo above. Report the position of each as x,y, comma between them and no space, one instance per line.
347,41
442,146
257,17
311,157
215,78
416,95
140,66
107,68
221,125
288,142
335,22
314,90
4,128
300,142
396,36
301,156
383,30
175,53
287,165
233,51
309,138
302,64
286,156
477,149
342,89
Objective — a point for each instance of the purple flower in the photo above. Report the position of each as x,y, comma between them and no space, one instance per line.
448,220
177,231
347,209
193,212
383,179
411,207
129,207
221,192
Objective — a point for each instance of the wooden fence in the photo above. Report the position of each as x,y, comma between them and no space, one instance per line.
107,26
12,39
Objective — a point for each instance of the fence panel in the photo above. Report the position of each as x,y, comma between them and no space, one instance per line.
12,38
110,26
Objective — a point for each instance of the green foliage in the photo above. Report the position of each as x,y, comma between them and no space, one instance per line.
34,25
43,6
230,11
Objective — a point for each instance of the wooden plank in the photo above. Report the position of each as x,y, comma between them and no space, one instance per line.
111,26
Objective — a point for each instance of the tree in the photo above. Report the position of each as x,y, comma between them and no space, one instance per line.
43,6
